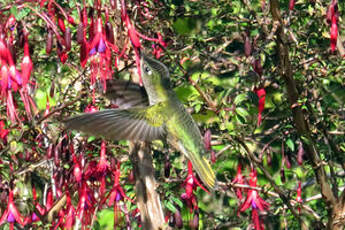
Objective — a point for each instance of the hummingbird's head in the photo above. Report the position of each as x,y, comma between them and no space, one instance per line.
155,77
154,72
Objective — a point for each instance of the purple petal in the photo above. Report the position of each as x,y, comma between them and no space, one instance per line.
19,78
101,46
92,51
118,197
254,204
34,217
10,217
9,86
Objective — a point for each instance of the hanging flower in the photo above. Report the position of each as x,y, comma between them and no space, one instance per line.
86,205
261,93
3,132
334,33
116,194
332,19
299,196
291,4
239,179
11,214
254,201
191,184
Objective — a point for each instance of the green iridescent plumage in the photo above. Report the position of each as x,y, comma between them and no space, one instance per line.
155,113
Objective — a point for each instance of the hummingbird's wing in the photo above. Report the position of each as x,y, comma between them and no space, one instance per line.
125,94
121,124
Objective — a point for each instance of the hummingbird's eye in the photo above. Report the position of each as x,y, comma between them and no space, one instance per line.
147,70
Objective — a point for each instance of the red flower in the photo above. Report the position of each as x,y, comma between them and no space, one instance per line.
90,109
291,4
332,18
11,22
102,167
77,171
86,205
3,132
71,213
116,194
61,24
157,49
254,201
299,196
261,93
191,184
239,179
11,214
334,33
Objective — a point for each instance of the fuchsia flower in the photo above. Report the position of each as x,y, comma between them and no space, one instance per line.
207,144
332,18
41,209
70,213
291,4
102,167
90,109
157,49
3,132
261,93
11,214
254,201
116,194
191,184
49,199
26,62
11,78
86,203
334,32
299,196
239,179
11,22
77,171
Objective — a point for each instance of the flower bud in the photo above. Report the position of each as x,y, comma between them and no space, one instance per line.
49,41
300,154
247,46
194,223
291,4
80,33
109,32
178,219
68,38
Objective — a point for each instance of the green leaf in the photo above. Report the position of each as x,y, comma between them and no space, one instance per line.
240,98
207,118
177,201
290,144
186,93
184,26
242,112
14,11
170,206
90,139
23,13
106,219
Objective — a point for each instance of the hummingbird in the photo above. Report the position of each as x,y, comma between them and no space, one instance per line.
148,114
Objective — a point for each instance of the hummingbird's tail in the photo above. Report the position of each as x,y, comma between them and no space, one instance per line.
204,170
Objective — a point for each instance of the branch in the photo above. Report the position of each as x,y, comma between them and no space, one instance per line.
148,201
301,123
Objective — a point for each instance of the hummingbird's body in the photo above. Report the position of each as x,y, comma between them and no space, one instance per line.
163,117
